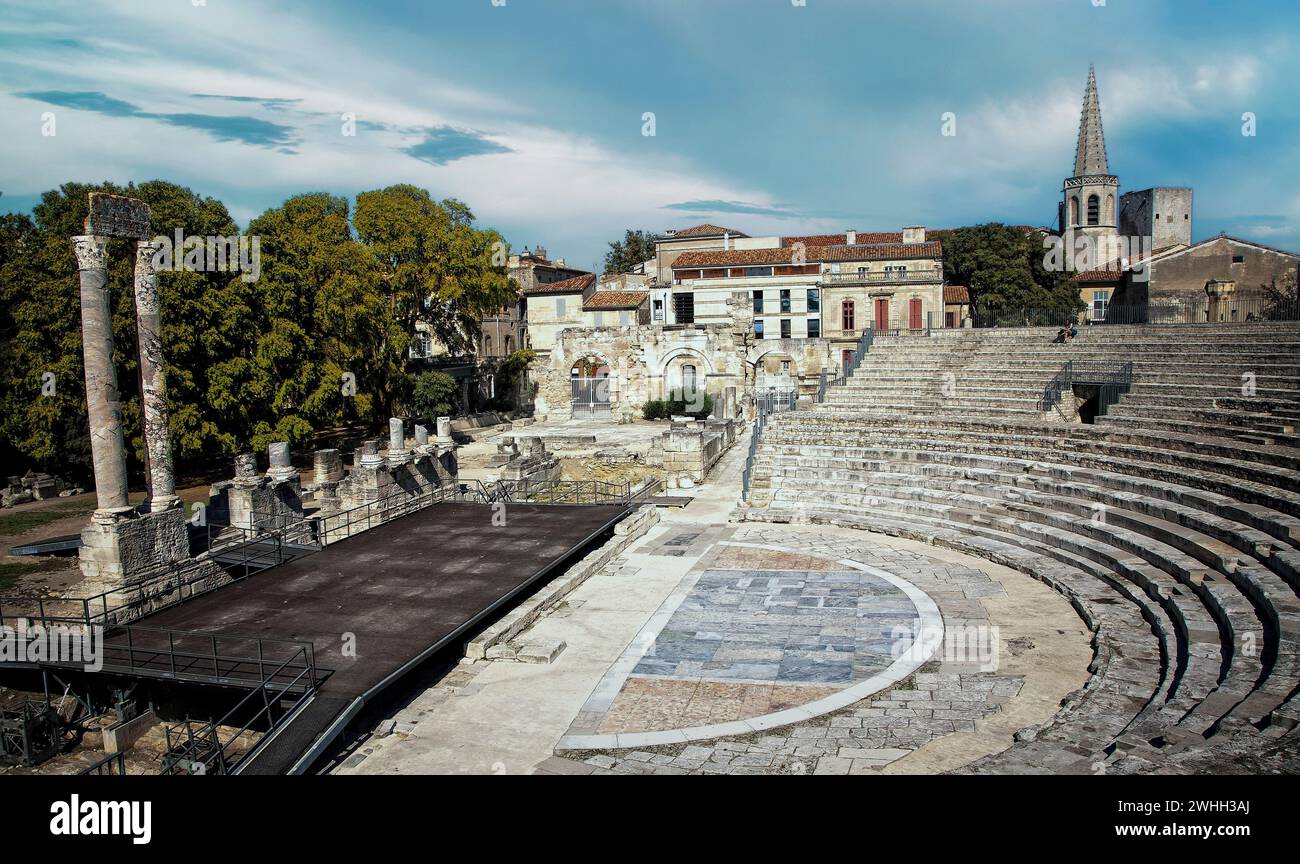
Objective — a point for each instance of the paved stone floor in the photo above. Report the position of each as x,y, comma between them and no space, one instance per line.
752,631
503,717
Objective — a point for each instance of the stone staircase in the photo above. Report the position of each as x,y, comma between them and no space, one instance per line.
1171,525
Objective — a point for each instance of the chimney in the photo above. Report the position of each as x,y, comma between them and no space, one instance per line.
540,252
851,237
914,234
559,262
726,241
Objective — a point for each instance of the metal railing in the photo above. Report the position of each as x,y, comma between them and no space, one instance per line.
1113,377
824,383
333,527
986,316
574,491
765,406
112,765
207,658
241,552
1201,311
1204,311
187,751
892,277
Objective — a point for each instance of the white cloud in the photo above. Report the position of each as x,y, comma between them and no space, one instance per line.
552,177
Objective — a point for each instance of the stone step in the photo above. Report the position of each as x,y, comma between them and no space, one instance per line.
1272,530
1130,667
1274,510
1207,617
1241,460
1123,494
1265,435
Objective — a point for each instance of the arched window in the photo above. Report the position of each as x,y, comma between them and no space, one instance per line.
1094,209
1074,210
847,317
509,344
487,346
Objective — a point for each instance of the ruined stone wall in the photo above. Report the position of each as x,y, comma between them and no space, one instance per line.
691,448
650,362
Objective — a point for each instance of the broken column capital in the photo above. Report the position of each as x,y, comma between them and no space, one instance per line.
92,252
246,469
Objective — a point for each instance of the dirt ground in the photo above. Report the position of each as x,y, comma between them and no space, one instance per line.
39,576
590,468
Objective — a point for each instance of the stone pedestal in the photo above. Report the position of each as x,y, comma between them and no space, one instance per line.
281,463
529,462
327,467
124,546
368,456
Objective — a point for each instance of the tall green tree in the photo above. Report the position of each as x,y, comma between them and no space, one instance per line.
320,338
624,255
434,266
44,390
1003,267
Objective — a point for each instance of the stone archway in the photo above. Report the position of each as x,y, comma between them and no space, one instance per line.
776,369
590,388
685,369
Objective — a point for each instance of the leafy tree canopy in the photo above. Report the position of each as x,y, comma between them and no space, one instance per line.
626,254
1003,267
320,338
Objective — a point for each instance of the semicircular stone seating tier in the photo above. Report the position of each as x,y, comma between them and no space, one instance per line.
1171,523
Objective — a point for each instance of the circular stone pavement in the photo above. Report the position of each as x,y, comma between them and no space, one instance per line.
761,637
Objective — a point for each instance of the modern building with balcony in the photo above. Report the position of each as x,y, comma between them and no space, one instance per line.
820,286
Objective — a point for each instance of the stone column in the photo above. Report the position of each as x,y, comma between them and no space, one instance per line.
103,402
246,467
328,467
396,436
421,435
370,457
281,464
153,379
444,430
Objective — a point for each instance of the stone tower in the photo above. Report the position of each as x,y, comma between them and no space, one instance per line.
1090,202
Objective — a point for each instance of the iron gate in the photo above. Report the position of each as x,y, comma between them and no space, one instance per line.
590,397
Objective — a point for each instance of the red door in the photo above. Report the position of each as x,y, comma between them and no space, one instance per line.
914,313
882,315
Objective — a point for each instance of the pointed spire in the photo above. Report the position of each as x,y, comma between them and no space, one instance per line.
1090,156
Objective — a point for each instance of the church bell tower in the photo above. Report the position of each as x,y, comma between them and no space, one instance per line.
1090,200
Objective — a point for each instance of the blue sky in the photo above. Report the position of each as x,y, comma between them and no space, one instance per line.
769,117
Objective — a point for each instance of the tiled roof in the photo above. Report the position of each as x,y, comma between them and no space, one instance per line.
705,230
813,254
616,300
576,285
735,257
1099,276
956,294
863,237
877,251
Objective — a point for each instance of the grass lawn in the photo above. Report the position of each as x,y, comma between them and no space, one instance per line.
12,572
13,524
